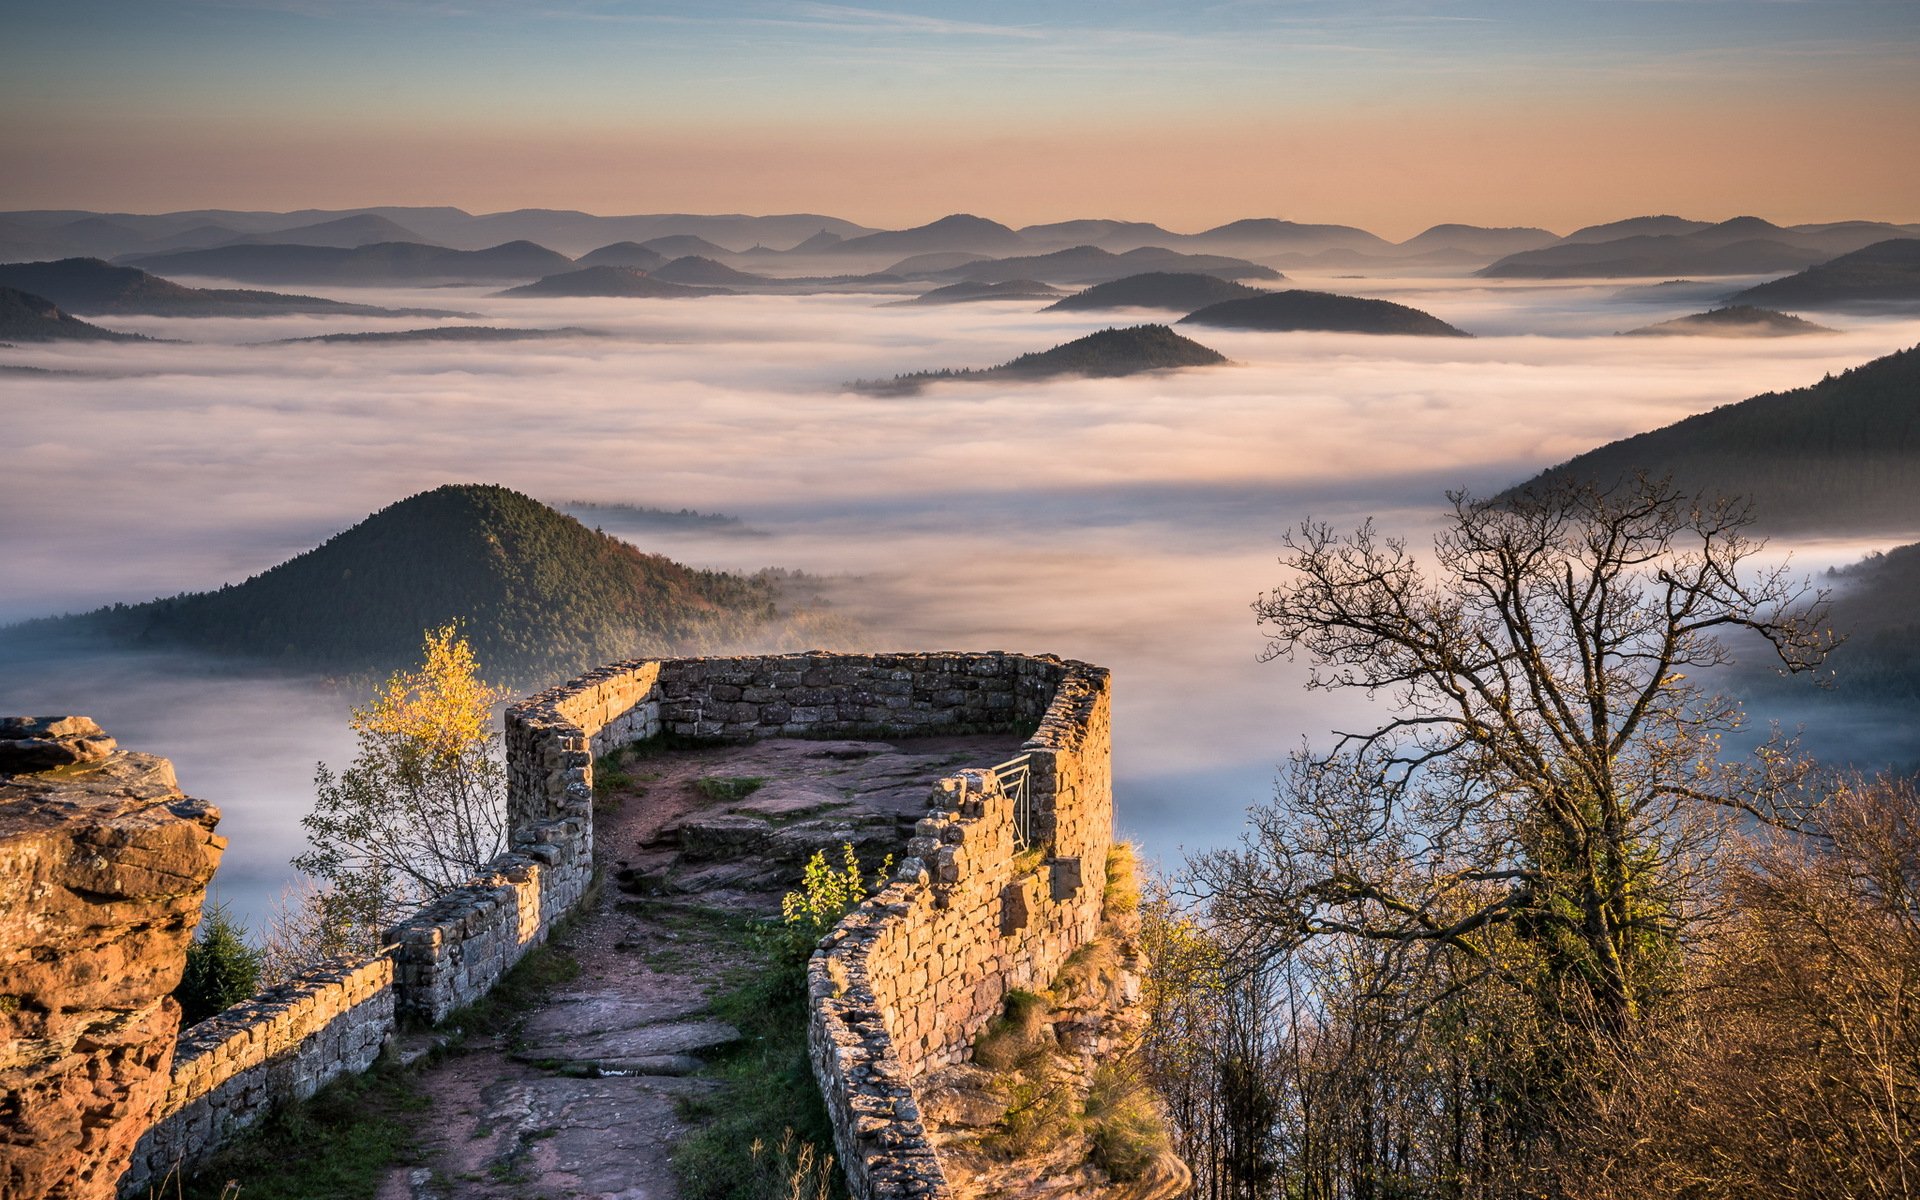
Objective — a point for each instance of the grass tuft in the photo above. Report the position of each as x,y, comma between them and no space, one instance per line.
728,787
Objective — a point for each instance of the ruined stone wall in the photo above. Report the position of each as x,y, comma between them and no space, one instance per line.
284,1044
904,984
103,866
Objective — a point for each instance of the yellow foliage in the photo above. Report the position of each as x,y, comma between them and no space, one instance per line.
442,707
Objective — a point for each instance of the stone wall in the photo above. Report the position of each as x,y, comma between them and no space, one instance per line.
103,866
960,889
904,984
284,1044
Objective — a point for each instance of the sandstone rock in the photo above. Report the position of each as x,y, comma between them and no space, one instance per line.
33,744
102,870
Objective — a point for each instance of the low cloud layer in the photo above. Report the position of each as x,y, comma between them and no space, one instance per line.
1129,522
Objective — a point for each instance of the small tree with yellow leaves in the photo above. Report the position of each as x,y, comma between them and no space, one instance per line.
422,809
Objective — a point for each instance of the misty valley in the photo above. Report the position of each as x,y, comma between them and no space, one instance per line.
805,434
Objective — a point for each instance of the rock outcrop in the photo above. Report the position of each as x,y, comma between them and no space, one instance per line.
103,866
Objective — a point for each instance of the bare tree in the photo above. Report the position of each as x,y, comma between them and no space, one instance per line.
1552,755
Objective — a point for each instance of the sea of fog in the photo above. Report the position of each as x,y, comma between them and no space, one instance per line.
1127,522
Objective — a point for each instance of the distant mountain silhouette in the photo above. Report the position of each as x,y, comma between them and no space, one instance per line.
1323,311
623,254
826,239
380,263
608,281
1105,354
25,317
704,272
1741,246
1477,240
1265,235
685,245
1841,456
363,229
537,593
87,285
444,333
1082,265
1177,291
1662,226
1886,272
968,292
960,232
1652,256
1740,320
1108,235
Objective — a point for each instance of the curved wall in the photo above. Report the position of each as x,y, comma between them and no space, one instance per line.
938,968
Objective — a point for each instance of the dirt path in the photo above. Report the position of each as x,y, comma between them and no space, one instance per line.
581,1095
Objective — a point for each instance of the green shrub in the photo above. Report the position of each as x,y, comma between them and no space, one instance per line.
222,969
826,894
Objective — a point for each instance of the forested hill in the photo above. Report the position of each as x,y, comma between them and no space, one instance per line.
1107,353
540,595
1840,456
1877,605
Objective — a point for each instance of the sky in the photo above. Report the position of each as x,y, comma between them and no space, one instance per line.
1390,114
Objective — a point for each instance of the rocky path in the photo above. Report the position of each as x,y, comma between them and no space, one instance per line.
581,1095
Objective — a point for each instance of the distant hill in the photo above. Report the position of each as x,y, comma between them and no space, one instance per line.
623,254
961,233
1322,311
25,317
1477,240
446,333
87,285
1083,265
1662,226
928,266
1841,456
1738,320
1265,235
704,272
1885,272
1876,605
1174,290
968,292
684,245
826,239
1108,235
1638,256
1105,354
1741,246
539,595
381,263
362,229
608,281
